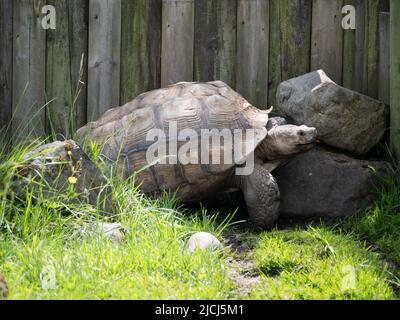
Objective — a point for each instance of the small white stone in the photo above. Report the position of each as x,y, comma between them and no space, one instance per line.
203,241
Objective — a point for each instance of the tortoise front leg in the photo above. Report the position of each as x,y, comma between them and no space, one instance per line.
262,197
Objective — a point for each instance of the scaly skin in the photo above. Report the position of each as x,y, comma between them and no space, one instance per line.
262,196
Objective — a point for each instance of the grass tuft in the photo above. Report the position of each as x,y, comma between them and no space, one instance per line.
379,225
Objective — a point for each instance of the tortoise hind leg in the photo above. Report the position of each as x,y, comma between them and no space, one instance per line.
262,197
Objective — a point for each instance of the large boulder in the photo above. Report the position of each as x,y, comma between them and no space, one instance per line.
343,118
322,183
60,167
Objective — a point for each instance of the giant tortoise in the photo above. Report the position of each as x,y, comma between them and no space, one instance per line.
175,120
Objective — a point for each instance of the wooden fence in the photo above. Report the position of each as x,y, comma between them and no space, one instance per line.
395,77
105,52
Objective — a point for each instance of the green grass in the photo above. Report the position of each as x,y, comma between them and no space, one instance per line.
150,264
318,263
380,224
44,242
45,255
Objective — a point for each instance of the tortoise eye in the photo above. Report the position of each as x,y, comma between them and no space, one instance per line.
302,133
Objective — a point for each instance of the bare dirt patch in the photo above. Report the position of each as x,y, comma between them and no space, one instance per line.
241,267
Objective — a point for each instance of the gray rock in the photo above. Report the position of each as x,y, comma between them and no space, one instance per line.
343,118
203,241
60,165
321,183
275,122
112,231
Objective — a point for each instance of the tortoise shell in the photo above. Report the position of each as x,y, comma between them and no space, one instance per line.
122,135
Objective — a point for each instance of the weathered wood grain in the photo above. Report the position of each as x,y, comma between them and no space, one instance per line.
290,41
215,41
205,39
349,44
384,5
275,51
384,57
58,74
371,49
29,45
177,41
104,56
327,38
359,47
140,47
226,52
6,40
395,77
78,42
252,49
353,49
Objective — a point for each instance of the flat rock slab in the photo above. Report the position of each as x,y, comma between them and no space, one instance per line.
59,166
343,118
321,183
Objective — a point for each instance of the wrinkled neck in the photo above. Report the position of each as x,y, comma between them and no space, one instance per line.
266,149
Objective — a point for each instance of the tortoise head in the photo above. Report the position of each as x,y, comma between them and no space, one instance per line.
288,140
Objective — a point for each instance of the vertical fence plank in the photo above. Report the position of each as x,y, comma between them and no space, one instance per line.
296,37
384,5
359,46
349,44
140,47
353,49
215,41
205,39
384,57
58,76
104,56
5,64
78,41
290,41
177,41
29,67
395,77
252,51
327,38
275,50
371,51
226,52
